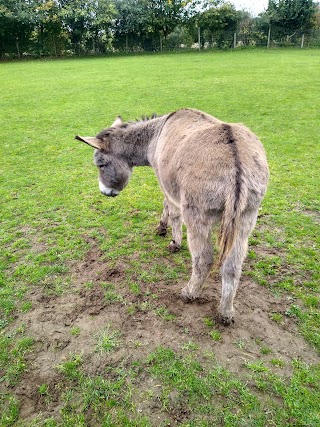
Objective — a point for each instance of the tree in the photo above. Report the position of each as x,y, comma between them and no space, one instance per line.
100,30
75,15
84,19
219,24
49,35
131,23
144,23
249,31
16,25
289,18
166,15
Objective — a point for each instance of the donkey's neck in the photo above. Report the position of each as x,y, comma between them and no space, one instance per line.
133,140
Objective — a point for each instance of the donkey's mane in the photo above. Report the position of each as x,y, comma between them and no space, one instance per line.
139,120
113,130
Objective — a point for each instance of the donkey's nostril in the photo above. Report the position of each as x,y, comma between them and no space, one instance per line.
107,191
110,193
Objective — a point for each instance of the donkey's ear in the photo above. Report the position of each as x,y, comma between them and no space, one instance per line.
118,121
91,140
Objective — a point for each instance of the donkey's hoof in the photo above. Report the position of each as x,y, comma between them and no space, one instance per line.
173,247
226,321
161,230
186,296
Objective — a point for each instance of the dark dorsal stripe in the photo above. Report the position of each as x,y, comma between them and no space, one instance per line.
230,139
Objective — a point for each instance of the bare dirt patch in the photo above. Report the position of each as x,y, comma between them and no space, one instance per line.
315,215
144,323
311,213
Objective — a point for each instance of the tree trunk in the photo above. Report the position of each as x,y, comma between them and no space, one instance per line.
18,49
269,36
42,42
55,47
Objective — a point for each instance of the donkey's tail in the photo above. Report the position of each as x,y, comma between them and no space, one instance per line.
235,203
230,222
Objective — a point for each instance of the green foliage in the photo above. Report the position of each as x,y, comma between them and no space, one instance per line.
17,20
50,27
88,19
142,24
49,35
219,24
88,27
290,17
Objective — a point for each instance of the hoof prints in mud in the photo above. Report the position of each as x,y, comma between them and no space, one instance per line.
144,328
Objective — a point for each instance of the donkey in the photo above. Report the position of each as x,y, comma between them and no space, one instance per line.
209,172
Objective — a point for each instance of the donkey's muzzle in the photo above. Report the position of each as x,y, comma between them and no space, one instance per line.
110,192
113,193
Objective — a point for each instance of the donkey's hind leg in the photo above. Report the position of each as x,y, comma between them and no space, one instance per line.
173,213
232,266
200,245
176,224
163,224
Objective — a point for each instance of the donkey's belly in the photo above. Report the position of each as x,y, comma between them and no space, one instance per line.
171,189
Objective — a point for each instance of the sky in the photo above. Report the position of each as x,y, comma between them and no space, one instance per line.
253,6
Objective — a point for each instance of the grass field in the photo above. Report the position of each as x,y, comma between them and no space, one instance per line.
93,332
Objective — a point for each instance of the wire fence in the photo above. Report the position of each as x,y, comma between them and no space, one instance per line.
179,40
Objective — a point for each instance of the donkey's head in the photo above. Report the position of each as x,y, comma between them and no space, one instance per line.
114,170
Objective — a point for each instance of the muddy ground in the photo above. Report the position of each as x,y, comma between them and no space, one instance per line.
142,330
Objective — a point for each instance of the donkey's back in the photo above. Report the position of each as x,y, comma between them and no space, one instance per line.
200,157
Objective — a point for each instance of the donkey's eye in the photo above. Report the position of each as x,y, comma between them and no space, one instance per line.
104,165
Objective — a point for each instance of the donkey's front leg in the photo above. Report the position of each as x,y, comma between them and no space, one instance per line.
173,213
200,245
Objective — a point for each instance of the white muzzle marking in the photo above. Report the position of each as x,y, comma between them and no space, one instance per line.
107,191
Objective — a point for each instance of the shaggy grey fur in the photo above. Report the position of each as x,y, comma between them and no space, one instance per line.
208,170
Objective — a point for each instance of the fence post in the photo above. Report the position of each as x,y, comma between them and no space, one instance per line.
269,36
234,40
302,41
199,38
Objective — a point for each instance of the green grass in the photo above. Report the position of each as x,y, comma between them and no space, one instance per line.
108,340
52,211
192,384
